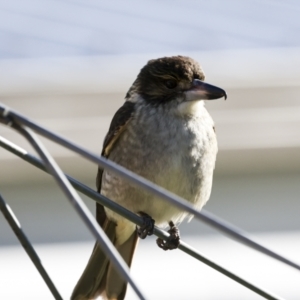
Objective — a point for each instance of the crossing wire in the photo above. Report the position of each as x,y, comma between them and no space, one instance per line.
24,241
134,218
11,116
17,121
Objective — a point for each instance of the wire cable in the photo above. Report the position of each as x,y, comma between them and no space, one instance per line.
24,241
10,116
86,216
134,218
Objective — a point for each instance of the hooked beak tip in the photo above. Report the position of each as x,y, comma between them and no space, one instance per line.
204,91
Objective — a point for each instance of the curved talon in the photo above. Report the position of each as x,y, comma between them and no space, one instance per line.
173,241
147,228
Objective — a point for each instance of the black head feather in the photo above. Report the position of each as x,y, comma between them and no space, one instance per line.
162,79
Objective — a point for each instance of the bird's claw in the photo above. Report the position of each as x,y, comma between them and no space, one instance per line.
173,241
147,228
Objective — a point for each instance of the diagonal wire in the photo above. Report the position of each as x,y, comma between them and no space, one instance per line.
16,227
210,219
134,218
81,209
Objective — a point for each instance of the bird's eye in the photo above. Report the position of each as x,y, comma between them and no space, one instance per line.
171,83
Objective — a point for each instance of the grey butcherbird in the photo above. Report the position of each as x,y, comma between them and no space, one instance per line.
164,133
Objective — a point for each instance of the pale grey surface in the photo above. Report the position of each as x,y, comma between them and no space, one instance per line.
69,28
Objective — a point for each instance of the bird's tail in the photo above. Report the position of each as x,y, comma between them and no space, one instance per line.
99,276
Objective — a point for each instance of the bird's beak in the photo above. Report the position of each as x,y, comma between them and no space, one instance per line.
201,90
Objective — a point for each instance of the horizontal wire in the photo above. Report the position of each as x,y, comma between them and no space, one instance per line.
60,178
23,154
139,181
16,227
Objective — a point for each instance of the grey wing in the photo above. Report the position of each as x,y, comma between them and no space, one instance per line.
118,124
99,275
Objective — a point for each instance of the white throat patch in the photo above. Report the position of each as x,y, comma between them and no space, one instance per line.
191,107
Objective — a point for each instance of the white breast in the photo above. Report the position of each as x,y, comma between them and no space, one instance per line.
176,149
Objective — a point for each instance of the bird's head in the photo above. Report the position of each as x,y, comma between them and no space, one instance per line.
177,78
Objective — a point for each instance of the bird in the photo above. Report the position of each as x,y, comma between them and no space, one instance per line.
163,133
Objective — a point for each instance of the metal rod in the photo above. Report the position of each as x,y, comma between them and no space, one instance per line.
139,181
81,209
134,218
266,294
16,227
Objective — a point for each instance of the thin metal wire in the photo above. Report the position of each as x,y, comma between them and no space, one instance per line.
134,218
139,181
266,294
16,227
80,207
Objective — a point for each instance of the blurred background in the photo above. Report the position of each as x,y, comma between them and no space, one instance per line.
68,65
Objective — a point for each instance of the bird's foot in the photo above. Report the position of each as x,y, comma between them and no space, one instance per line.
147,228
173,241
